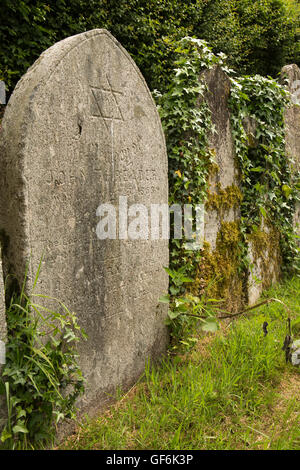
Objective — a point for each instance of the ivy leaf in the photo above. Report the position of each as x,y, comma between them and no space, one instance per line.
287,190
263,211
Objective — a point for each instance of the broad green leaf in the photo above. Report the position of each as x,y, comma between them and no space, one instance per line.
287,190
20,428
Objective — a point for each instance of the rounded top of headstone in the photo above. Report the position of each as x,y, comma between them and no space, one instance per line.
51,57
72,54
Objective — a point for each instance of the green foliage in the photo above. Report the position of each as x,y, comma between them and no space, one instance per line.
28,27
41,378
187,313
145,29
258,36
186,119
149,31
293,9
269,183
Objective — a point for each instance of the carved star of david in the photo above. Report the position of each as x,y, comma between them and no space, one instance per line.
106,103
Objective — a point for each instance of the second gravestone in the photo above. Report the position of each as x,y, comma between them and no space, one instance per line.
80,130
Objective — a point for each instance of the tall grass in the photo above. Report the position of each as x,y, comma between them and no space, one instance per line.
215,397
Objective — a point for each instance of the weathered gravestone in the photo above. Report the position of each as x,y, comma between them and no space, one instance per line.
265,260
222,209
221,142
224,198
292,124
263,244
80,130
265,256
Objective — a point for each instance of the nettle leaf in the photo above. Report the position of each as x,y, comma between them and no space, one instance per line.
258,169
181,309
174,290
21,413
170,272
186,279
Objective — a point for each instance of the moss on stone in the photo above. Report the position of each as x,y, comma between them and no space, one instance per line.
224,199
218,274
265,248
213,168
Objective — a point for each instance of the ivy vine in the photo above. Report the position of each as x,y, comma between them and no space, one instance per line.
186,119
269,184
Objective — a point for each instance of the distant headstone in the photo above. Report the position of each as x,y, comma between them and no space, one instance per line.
292,124
80,130
264,269
265,263
221,142
2,92
223,180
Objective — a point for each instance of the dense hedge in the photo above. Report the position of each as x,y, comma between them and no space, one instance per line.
259,36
